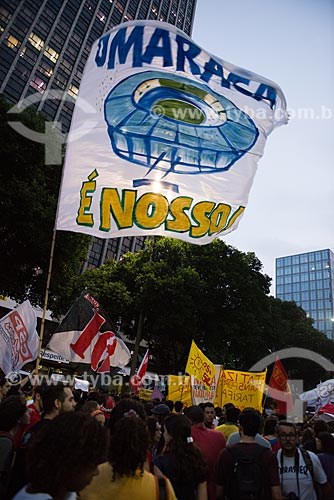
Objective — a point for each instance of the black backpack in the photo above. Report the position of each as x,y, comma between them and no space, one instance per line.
247,478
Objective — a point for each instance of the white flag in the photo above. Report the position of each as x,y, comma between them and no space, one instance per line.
85,336
18,338
320,396
165,138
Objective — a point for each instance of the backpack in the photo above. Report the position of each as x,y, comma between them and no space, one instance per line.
161,488
247,478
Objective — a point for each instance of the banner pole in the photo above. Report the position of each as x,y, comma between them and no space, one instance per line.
47,287
46,298
264,400
137,343
182,387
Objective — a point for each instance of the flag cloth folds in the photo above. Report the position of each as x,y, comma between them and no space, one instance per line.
85,336
279,389
320,396
200,366
179,389
137,380
243,389
18,338
165,138
157,394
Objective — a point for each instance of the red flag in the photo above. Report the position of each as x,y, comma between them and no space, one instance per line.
137,380
279,388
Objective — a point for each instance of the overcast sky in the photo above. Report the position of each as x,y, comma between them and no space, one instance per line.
291,204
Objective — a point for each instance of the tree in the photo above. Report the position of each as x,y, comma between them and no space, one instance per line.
213,294
28,201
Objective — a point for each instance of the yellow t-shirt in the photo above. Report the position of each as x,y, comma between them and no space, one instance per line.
227,429
140,487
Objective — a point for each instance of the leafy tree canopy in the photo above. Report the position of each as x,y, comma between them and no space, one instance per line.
213,294
28,201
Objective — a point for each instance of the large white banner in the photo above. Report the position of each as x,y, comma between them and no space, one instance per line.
18,338
165,138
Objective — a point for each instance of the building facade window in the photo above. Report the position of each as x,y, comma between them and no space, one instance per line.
308,279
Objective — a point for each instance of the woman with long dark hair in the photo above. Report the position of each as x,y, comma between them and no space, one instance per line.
124,476
182,461
63,457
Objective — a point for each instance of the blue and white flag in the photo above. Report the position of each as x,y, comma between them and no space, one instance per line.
165,138
320,396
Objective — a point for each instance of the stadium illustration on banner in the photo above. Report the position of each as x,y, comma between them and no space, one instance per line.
172,145
173,124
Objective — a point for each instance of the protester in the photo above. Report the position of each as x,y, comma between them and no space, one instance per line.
89,406
64,456
92,408
107,406
4,387
170,405
160,411
248,468
35,409
178,407
270,433
318,426
325,445
209,442
13,412
154,430
56,399
299,469
124,476
308,435
231,423
182,462
234,438
209,414
219,419
223,416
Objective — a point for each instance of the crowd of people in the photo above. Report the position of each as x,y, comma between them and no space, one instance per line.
63,444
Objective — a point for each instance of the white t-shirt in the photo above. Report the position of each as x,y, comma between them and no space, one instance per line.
288,476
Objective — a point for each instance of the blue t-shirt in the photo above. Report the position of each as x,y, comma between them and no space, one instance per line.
24,495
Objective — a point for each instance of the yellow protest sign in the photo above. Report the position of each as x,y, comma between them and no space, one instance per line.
243,389
179,389
200,366
145,394
219,391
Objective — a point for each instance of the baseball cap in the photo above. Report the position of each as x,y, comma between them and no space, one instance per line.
160,409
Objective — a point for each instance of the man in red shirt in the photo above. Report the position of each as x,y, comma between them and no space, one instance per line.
208,441
36,408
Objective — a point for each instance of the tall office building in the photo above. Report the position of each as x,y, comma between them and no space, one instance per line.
308,279
44,45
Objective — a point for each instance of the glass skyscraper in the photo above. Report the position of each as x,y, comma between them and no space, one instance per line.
308,280
44,45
